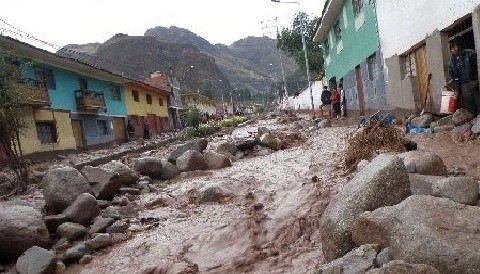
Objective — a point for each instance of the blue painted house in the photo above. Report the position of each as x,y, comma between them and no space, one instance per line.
81,106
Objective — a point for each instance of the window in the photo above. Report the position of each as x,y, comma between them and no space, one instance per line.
337,31
160,102
357,7
409,66
82,82
115,92
372,67
45,75
136,96
149,99
102,127
326,47
46,132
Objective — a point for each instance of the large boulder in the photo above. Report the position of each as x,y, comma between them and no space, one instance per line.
198,145
422,184
216,160
358,260
83,210
21,227
149,166
169,170
463,190
36,260
461,116
401,267
105,184
246,144
61,186
126,175
227,148
191,160
382,182
425,230
424,162
270,140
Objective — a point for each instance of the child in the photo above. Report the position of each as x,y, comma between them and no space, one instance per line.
335,99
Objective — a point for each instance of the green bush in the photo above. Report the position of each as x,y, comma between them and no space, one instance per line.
193,117
202,131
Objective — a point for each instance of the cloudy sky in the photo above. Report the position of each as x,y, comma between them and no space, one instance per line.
218,21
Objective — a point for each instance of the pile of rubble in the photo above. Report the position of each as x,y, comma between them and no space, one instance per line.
93,208
402,214
463,124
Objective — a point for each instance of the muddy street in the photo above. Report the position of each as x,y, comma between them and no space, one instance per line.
266,223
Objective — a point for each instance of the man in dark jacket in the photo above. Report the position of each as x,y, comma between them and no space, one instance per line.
462,68
326,102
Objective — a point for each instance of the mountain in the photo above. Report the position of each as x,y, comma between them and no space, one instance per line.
251,63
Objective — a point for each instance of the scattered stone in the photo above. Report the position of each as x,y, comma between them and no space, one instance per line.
36,177
325,123
61,245
105,184
83,210
425,230
409,144
191,160
119,238
463,190
383,257
198,145
263,152
463,128
239,155
422,184
401,267
75,253
103,203
169,170
382,182
445,121
120,212
423,121
476,125
216,160
126,175
461,116
99,241
131,191
120,200
211,192
61,268
270,140
54,221
21,227
358,260
61,186
262,130
227,148
443,128
86,259
149,166
36,260
118,226
423,162
101,224
246,144
72,231
162,201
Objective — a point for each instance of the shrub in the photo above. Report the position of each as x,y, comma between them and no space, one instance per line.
193,117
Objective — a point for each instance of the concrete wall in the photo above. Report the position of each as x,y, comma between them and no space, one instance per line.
403,23
303,101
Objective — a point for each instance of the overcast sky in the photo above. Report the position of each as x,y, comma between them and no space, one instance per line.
218,21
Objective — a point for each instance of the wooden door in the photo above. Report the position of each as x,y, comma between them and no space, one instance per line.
119,126
152,120
78,133
422,74
360,89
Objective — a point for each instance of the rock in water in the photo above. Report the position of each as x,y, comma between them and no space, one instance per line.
21,227
149,166
83,210
425,230
127,176
382,182
36,260
191,160
169,170
198,145
216,160
104,184
61,186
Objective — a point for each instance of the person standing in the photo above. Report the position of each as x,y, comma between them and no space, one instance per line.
343,101
146,129
335,100
463,71
325,98
130,130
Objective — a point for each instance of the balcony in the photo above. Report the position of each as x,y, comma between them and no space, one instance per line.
37,92
90,100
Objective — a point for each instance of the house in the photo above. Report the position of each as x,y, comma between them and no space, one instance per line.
149,102
202,102
77,106
349,37
414,37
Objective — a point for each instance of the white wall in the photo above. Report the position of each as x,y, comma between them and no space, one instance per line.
303,101
404,23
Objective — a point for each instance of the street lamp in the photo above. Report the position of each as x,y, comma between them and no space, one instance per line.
304,44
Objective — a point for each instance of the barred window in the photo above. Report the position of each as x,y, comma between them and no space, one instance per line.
46,132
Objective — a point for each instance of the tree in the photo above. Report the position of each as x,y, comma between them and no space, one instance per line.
13,108
289,40
193,116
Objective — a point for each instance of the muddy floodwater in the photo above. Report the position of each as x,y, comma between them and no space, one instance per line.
269,223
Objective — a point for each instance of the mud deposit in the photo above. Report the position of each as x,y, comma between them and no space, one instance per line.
268,221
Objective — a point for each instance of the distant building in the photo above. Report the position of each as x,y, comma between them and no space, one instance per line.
202,102
349,37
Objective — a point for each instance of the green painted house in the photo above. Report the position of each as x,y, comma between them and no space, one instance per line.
349,37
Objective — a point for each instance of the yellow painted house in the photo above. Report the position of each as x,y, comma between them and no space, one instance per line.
145,101
202,102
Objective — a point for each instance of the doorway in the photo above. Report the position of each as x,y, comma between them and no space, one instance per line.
77,128
360,89
119,127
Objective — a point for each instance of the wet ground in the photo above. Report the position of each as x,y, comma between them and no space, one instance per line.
268,224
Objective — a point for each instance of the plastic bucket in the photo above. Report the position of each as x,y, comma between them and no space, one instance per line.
449,102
